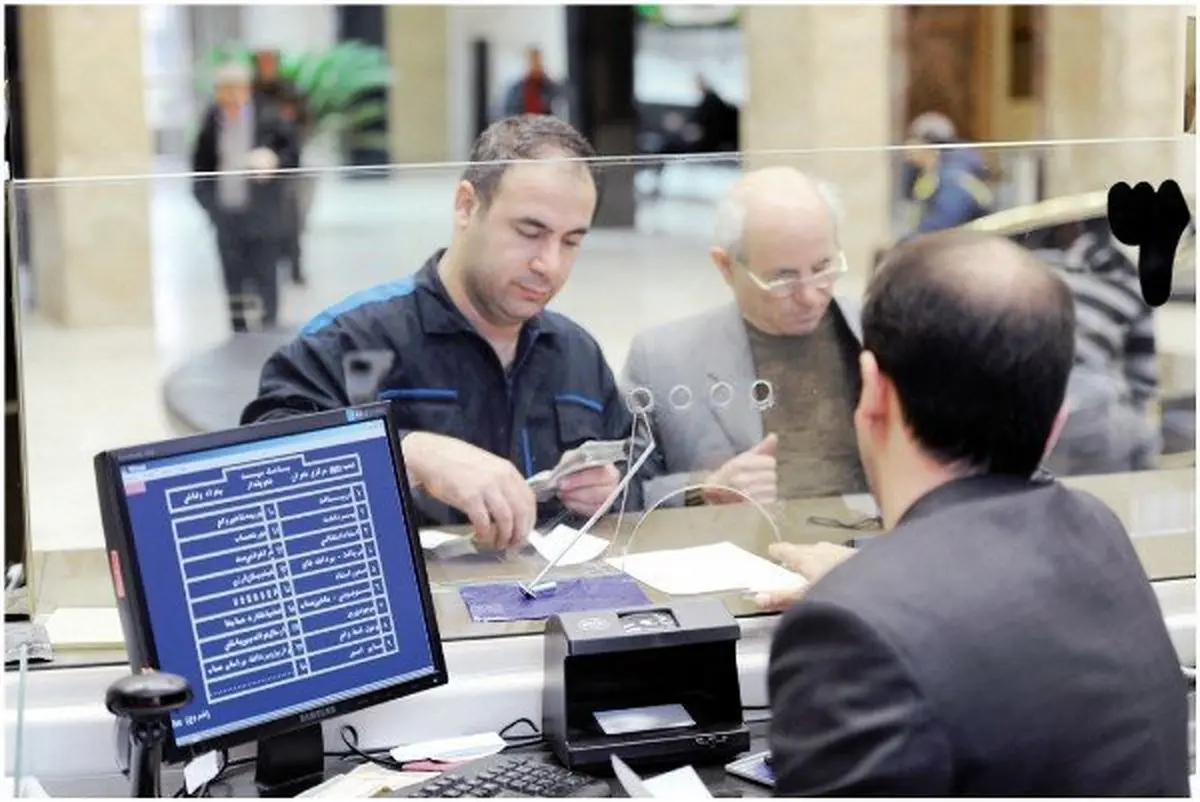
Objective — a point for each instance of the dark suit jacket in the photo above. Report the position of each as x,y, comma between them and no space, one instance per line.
1002,640
265,210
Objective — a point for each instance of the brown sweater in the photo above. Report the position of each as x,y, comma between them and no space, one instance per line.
816,383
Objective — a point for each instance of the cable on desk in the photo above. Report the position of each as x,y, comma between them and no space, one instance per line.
349,737
534,738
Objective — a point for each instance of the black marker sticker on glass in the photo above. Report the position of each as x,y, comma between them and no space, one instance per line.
1153,222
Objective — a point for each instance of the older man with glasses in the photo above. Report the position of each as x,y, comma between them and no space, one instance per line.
756,398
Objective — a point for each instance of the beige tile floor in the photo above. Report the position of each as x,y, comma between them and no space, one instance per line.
85,391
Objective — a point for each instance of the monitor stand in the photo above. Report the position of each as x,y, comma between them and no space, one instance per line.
290,763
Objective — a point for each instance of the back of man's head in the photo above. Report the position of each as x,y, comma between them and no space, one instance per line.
978,339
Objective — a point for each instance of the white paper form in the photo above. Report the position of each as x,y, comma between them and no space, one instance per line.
558,540
716,568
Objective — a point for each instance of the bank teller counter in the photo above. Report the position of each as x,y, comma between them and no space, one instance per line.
1157,507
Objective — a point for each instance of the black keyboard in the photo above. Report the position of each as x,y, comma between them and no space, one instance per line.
502,776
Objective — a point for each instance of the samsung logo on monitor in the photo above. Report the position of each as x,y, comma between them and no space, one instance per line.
319,713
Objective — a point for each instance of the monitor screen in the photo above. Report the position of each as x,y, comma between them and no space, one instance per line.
278,575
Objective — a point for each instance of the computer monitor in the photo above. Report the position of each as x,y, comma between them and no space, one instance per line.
276,568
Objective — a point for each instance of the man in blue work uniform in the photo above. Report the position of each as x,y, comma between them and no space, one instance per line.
947,186
489,387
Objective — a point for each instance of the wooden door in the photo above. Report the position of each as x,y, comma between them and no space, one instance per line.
948,55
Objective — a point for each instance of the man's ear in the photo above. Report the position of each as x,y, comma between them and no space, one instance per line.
466,200
1060,420
724,262
873,401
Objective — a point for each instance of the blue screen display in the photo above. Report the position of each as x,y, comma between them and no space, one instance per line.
278,575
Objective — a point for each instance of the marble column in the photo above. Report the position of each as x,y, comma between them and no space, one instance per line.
1112,72
418,108
819,77
85,117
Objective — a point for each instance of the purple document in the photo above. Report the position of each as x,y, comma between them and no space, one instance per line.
505,602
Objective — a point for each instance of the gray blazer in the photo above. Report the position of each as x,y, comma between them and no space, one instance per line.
699,373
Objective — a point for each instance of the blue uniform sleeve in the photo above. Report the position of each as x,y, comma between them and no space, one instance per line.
950,206
302,377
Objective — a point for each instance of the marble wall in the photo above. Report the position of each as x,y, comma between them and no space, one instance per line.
85,117
818,78
418,101
1113,72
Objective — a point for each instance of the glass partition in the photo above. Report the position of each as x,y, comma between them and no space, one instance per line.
131,296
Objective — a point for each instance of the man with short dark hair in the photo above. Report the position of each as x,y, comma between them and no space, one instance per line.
490,387
1002,639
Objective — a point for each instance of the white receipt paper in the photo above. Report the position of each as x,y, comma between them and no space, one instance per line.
199,771
718,568
682,783
366,781
1170,513
558,540
449,750
862,503
433,538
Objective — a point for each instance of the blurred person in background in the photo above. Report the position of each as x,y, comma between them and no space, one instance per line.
535,92
282,105
1115,378
947,186
246,199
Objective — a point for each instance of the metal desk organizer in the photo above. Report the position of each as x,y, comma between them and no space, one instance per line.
594,453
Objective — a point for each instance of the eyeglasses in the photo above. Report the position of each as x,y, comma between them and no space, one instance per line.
822,278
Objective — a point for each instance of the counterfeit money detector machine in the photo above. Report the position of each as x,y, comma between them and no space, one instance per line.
654,685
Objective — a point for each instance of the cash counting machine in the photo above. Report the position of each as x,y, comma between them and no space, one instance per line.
653,685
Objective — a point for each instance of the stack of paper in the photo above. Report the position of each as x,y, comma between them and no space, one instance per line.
719,568
85,628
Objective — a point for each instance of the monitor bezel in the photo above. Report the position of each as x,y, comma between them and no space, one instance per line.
126,569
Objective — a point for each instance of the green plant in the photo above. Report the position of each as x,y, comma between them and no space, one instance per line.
339,87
